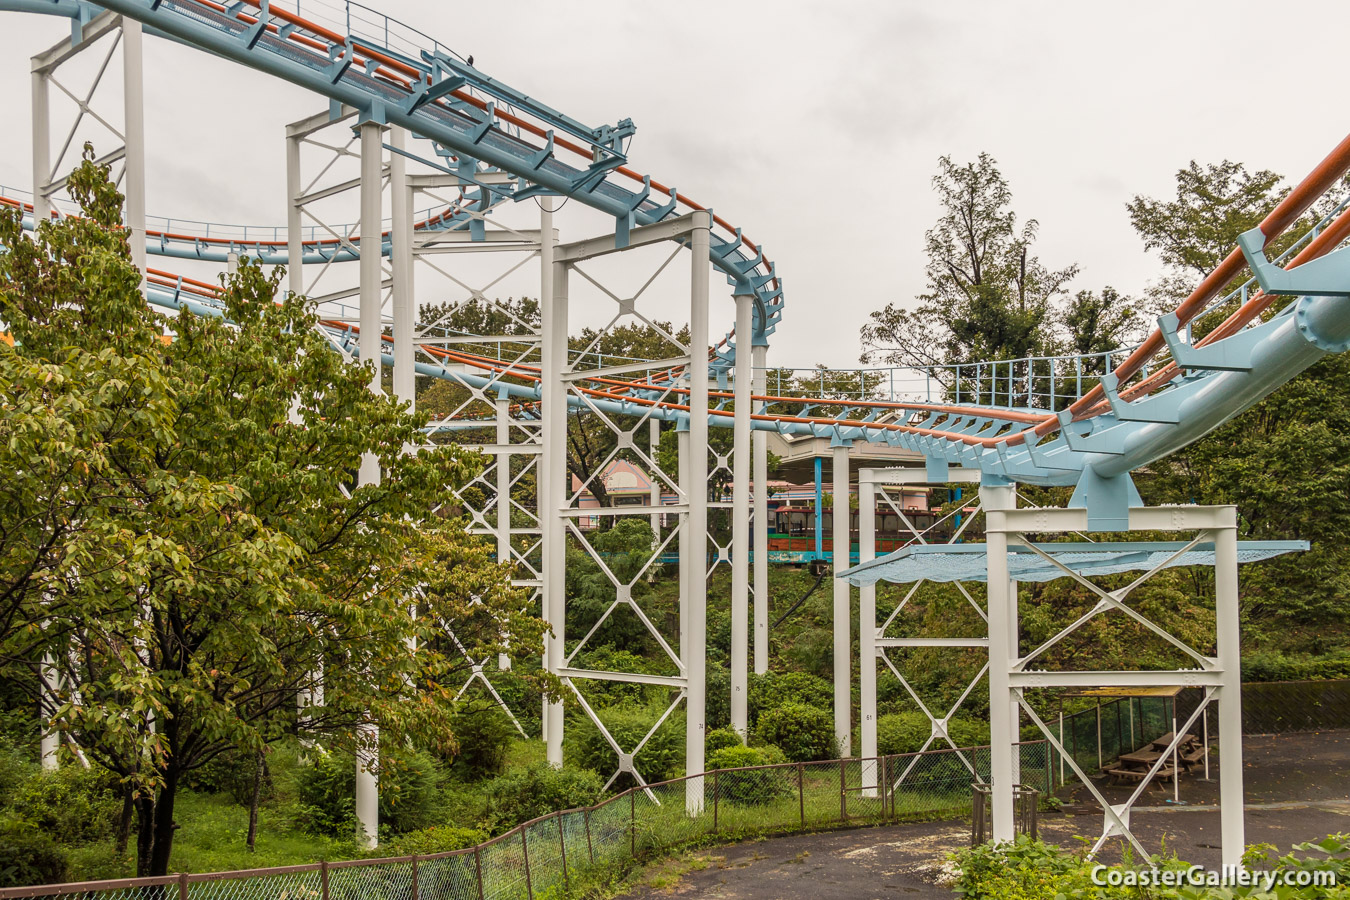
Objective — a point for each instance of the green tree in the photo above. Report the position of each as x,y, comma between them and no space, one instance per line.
988,296
202,551
1285,461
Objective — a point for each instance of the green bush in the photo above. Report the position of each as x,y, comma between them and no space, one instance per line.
27,856
485,735
905,732
804,733
436,839
753,787
661,757
524,794
409,785
720,739
773,689
230,773
73,804
15,769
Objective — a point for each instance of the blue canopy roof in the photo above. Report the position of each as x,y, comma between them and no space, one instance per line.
969,562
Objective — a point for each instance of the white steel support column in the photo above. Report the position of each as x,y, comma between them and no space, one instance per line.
133,98
42,148
867,634
295,247
760,443
553,298
654,493
372,187
502,461
401,259
694,648
1001,610
740,518
42,167
1232,836
843,631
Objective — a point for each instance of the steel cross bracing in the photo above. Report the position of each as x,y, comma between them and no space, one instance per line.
471,115
1013,673
873,643
631,441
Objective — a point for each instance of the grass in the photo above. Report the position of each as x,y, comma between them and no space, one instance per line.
212,839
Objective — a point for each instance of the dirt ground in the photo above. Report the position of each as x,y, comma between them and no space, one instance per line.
1297,788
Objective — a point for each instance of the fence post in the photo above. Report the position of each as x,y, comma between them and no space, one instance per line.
843,792
590,847
632,823
801,794
414,877
525,846
562,843
477,864
716,794
323,879
183,886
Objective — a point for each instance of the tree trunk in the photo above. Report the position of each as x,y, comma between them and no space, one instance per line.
164,826
145,832
259,772
124,821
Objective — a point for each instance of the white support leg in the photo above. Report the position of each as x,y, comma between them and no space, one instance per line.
843,637
372,151
694,648
42,148
654,493
555,483
133,98
1001,696
401,259
867,634
295,247
503,464
740,519
760,444
1232,835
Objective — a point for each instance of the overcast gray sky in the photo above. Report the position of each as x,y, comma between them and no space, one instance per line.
817,126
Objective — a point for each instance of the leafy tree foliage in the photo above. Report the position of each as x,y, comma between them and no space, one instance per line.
1286,461
185,542
988,295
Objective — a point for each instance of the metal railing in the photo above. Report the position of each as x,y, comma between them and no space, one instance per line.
545,856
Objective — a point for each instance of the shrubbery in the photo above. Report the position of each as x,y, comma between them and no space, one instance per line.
27,856
525,794
76,804
409,786
752,787
802,732
660,758
436,839
773,689
720,739
1031,870
484,734
906,732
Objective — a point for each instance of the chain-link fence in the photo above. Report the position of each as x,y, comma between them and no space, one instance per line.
544,857
1094,737
1281,707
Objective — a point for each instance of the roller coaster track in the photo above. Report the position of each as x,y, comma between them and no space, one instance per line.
1168,392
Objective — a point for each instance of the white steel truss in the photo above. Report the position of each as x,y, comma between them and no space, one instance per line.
571,378
1012,673
874,486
